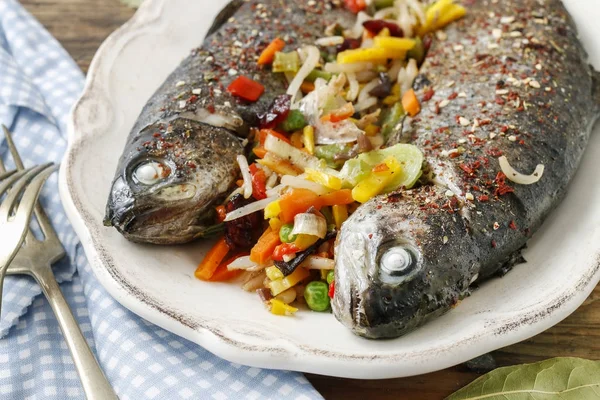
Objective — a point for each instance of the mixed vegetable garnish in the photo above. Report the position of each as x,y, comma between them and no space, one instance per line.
320,150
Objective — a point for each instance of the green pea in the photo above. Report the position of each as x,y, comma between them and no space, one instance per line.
330,277
295,121
285,233
316,295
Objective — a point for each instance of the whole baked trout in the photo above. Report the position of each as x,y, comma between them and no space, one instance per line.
180,157
512,80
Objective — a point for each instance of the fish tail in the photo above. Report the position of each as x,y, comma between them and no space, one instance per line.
595,86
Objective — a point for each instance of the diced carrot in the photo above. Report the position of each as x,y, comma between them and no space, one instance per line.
221,213
262,136
222,274
259,152
338,197
307,87
411,103
297,201
268,54
239,182
212,260
263,249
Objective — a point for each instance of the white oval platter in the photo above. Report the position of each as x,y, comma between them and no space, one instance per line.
158,282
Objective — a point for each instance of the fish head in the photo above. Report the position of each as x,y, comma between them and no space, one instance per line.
394,265
168,181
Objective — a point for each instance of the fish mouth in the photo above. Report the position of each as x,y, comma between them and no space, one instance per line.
160,225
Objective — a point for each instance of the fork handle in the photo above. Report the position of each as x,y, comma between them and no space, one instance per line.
94,382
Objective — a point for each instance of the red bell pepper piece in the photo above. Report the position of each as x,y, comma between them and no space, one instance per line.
283,250
355,5
246,89
259,182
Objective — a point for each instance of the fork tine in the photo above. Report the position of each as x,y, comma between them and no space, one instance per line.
2,168
37,178
40,215
9,178
18,184
13,149
4,175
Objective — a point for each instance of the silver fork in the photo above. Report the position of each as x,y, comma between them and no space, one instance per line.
35,258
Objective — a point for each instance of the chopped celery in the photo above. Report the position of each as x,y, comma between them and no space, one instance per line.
295,121
409,157
318,74
354,171
381,4
330,151
286,62
392,120
417,52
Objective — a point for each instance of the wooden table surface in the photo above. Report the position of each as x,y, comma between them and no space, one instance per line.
82,25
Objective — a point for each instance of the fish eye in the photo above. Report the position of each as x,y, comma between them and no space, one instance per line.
150,173
397,261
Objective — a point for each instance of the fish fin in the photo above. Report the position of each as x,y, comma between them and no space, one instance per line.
516,258
226,13
595,85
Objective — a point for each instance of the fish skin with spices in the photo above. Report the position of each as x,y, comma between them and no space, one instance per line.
190,130
511,79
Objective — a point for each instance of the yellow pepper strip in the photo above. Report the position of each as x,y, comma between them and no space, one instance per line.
275,224
440,14
385,32
324,179
283,284
272,210
278,307
340,214
394,43
309,139
375,182
369,55
324,273
303,242
273,273
372,130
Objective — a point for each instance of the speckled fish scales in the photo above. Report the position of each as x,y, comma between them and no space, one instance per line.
511,79
190,130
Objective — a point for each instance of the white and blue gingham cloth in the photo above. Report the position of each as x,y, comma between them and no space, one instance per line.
39,83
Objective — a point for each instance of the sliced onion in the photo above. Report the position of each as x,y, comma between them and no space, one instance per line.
247,185
394,70
364,93
517,177
250,208
277,190
365,104
384,13
330,41
407,76
234,193
310,224
271,181
358,28
242,263
316,262
298,182
288,152
312,60
354,87
366,76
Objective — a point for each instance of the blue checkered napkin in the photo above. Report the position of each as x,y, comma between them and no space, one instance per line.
38,85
